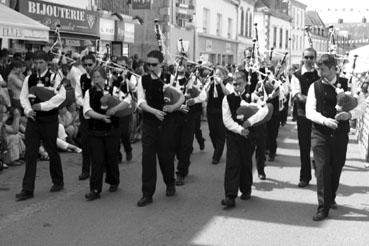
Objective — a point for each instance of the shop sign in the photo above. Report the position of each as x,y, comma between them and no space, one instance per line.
107,29
129,32
70,19
141,4
73,43
23,33
208,45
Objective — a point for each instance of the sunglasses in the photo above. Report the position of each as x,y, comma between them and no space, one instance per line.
309,57
248,57
236,84
152,64
88,64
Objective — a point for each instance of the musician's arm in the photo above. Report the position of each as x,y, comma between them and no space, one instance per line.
229,123
56,100
311,112
295,86
24,97
88,112
78,92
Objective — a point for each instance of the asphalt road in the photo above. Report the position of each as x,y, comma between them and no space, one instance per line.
279,212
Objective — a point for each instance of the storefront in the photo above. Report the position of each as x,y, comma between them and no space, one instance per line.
17,27
125,35
76,25
216,50
107,32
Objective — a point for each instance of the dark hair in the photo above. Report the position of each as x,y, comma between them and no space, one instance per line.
123,58
310,50
40,55
156,54
4,53
29,56
17,64
327,60
17,56
101,71
89,57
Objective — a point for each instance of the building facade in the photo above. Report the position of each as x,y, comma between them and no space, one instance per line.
217,31
318,31
297,42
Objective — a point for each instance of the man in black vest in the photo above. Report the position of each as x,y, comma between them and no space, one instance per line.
300,83
89,63
329,137
42,125
158,128
240,147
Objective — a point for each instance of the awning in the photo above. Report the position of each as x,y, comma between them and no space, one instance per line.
14,25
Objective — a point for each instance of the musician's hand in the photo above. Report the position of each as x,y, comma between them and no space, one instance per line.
111,111
184,108
217,80
36,107
343,116
31,114
106,119
168,108
191,102
246,124
301,98
16,113
245,133
331,123
160,115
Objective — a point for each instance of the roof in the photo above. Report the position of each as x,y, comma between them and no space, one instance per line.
312,18
355,30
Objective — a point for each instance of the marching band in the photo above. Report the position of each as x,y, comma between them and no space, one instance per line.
244,111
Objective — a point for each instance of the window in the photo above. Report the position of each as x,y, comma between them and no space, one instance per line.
281,38
247,24
230,27
287,41
242,21
293,42
274,36
250,25
180,21
205,20
219,24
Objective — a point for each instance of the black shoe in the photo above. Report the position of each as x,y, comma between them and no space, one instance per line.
145,200
24,195
320,216
83,176
214,162
129,156
92,195
202,145
303,184
171,191
334,205
113,188
56,188
262,176
245,197
228,202
180,180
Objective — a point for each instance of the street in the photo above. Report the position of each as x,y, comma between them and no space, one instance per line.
279,213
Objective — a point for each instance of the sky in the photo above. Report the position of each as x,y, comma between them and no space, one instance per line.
331,10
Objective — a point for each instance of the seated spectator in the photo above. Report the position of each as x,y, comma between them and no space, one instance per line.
69,122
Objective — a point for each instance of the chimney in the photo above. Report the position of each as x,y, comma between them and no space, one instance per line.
363,20
340,21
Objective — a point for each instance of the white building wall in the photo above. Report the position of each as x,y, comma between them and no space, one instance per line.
245,39
297,34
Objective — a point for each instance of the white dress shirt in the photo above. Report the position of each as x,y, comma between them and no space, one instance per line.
52,103
295,83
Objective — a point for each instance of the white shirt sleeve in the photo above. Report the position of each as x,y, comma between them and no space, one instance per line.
86,104
295,86
140,93
229,123
78,92
24,97
230,88
56,100
311,112
260,114
363,103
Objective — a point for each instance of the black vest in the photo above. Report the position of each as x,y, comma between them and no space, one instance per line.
154,95
86,83
305,80
95,104
214,105
33,80
326,100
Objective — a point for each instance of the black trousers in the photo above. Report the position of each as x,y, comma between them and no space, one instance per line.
185,137
157,140
104,157
125,136
284,113
217,134
304,136
47,132
198,133
238,170
272,134
86,159
258,139
330,156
